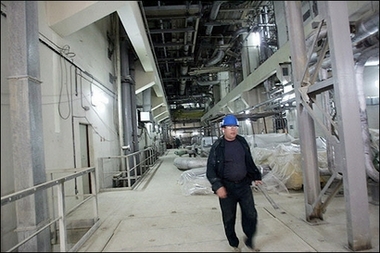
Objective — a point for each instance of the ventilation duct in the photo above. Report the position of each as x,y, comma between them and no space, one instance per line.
359,70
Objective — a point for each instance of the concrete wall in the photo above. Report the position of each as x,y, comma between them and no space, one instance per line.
67,90
73,70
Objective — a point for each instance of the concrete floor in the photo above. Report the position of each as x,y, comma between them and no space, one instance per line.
158,217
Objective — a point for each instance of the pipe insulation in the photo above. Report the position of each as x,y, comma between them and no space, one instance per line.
182,87
366,28
183,163
219,56
208,83
359,70
213,15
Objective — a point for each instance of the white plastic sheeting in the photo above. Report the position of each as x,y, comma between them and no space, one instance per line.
195,182
374,138
278,156
268,140
281,153
284,159
285,164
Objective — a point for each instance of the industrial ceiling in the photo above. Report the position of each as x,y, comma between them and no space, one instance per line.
193,41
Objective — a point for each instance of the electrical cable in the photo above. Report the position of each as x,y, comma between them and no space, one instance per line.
65,50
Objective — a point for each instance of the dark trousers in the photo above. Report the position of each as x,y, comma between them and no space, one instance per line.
239,193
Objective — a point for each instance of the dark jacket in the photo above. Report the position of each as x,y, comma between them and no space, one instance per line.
215,163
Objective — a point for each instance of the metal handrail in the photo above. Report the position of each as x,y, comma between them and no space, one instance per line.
133,163
61,219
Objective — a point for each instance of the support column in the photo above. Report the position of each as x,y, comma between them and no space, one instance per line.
26,121
309,156
349,125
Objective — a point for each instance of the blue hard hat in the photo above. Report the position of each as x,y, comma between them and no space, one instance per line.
229,120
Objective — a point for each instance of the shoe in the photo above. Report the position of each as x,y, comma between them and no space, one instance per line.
249,245
236,249
248,242
249,249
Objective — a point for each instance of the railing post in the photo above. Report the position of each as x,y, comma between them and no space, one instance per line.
151,158
135,165
53,212
142,163
61,213
94,193
128,173
148,157
101,172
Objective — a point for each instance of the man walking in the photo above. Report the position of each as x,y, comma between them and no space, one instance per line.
231,171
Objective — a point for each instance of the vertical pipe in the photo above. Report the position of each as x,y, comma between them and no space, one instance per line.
119,90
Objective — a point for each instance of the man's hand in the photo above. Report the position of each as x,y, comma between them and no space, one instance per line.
221,192
257,182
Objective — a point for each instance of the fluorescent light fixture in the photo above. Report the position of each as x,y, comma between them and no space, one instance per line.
145,116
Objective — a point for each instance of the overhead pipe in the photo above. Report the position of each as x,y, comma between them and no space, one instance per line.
182,87
226,49
326,63
195,35
173,30
241,31
208,83
221,51
219,56
163,39
187,38
204,98
197,98
216,59
214,13
366,28
184,69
